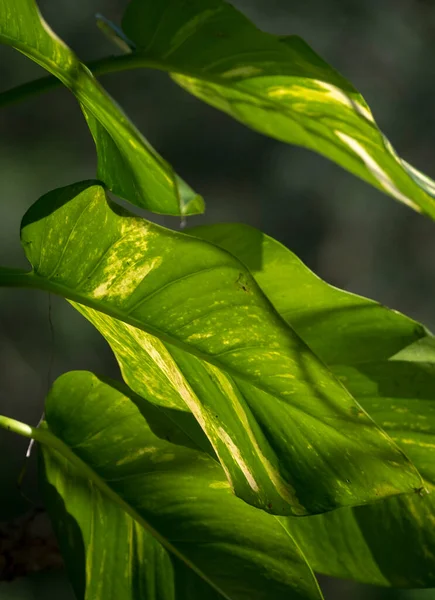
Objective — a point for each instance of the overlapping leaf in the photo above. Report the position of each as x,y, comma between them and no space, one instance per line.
275,85
149,516
290,437
127,163
391,542
387,361
340,327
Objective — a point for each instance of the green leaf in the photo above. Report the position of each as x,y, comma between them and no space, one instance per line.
387,361
400,396
340,327
127,163
140,514
291,438
276,85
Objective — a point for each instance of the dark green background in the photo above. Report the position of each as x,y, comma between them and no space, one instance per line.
348,233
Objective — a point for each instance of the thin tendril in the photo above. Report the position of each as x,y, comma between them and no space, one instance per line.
48,385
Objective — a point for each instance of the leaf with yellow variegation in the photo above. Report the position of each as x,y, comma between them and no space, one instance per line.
193,330
276,85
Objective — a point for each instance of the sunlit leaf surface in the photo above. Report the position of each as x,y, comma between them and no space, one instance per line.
127,163
340,327
291,438
146,515
391,542
387,361
276,85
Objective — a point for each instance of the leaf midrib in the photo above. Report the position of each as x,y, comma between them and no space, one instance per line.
29,279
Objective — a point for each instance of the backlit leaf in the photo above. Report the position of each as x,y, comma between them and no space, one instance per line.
387,361
391,542
127,163
340,327
276,85
149,516
291,438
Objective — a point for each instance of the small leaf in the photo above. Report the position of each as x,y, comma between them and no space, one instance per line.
127,163
152,518
291,438
276,85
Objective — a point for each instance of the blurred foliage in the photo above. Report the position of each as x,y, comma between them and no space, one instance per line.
347,232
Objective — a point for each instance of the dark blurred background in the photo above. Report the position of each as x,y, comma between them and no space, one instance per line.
348,233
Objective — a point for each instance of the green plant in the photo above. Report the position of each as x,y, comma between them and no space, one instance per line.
254,393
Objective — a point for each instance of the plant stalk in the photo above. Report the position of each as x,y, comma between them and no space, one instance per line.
102,66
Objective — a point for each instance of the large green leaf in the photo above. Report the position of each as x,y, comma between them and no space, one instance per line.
340,327
390,542
291,438
127,163
275,85
141,514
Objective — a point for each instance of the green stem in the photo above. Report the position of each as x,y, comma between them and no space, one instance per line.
102,66
44,436
16,278
17,427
